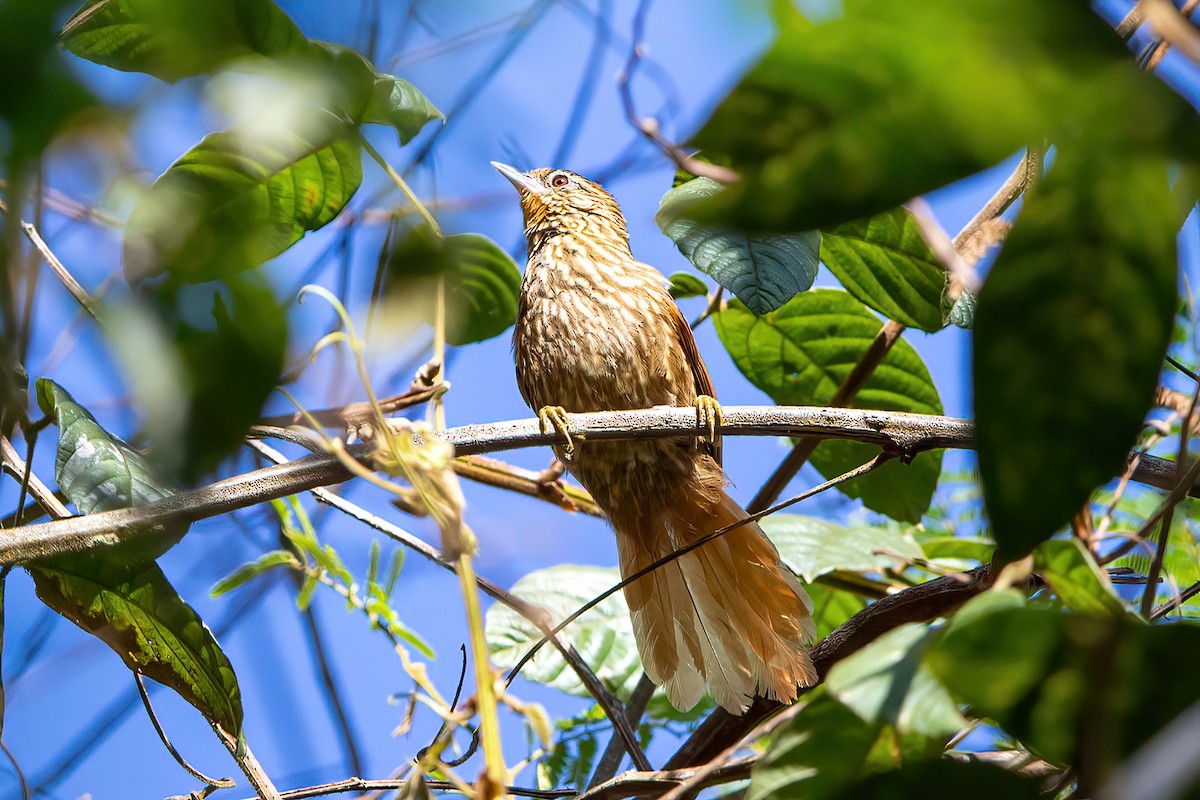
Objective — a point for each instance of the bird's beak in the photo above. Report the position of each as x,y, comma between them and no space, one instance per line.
519,179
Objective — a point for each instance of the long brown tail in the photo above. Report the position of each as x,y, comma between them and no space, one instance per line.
727,615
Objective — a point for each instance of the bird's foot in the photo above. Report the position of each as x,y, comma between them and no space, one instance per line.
710,417
554,418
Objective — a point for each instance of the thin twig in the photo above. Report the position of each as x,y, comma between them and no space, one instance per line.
610,761
40,491
61,272
221,783
491,472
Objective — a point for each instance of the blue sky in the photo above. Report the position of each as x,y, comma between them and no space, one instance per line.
60,682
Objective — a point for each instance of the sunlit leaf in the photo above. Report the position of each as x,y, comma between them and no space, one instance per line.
812,547
249,571
885,262
832,607
763,271
241,197
685,284
1071,329
1075,577
136,612
801,354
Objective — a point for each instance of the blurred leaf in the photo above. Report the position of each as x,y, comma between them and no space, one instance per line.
885,262
961,548
1070,334
99,472
811,757
801,354
603,636
482,282
916,779
1043,675
685,284
40,92
764,272
241,197
811,547
887,682
832,607
134,610
1076,578
249,571
570,763
849,118
172,40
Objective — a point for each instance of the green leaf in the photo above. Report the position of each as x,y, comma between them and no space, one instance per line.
915,779
832,607
685,284
172,40
887,682
811,757
1076,578
849,118
99,472
136,612
246,335
603,636
958,548
885,262
812,547
241,197
1070,333
800,354
482,282
249,571
764,272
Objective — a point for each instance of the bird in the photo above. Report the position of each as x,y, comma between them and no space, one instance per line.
597,330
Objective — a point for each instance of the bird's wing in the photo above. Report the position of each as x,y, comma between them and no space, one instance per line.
704,384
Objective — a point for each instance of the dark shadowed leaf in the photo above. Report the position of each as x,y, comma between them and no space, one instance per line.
1075,577
685,284
886,681
239,198
1070,333
885,262
764,272
603,636
800,354
824,748
812,547
99,472
135,611
1042,674
916,780
172,40
482,282
852,117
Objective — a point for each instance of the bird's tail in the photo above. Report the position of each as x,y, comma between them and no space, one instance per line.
728,615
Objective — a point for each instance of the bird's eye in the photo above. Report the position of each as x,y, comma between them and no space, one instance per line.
559,180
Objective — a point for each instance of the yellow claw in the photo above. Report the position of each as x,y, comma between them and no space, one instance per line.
709,415
554,418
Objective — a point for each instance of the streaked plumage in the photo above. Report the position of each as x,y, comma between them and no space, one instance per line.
597,330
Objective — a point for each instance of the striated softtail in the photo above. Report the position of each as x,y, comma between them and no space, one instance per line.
727,615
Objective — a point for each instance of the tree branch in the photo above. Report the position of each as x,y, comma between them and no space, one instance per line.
904,434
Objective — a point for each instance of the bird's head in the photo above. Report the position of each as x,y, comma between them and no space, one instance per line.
557,201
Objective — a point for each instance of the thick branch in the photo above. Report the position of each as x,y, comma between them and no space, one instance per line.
904,434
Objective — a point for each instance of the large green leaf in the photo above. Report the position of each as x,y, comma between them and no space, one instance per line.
824,748
917,780
800,354
885,262
1044,675
886,681
1070,333
482,282
241,197
849,118
134,610
762,271
1075,577
99,472
172,40
812,547
832,607
603,636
